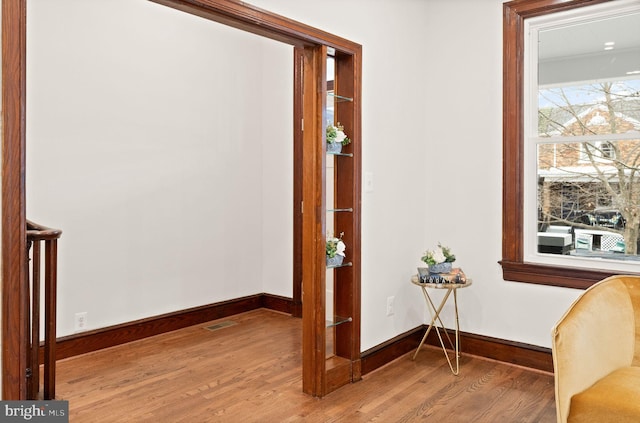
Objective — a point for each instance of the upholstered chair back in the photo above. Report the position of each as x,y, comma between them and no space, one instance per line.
599,333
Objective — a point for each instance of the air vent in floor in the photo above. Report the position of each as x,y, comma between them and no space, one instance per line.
220,325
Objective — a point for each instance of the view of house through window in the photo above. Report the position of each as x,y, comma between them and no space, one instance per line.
588,138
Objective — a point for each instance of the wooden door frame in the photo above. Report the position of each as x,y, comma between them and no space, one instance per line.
229,12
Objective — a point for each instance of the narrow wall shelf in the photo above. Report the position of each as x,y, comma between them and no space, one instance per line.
340,98
337,320
332,355
348,264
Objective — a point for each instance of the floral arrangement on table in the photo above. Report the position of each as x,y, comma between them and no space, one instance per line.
439,259
335,250
336,137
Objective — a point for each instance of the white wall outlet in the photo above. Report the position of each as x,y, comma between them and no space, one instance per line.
80,321
390,306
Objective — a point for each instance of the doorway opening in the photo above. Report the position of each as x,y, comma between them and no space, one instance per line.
310,56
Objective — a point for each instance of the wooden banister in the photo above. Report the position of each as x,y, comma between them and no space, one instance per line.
37,237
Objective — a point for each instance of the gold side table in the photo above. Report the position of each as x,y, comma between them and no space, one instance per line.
450,287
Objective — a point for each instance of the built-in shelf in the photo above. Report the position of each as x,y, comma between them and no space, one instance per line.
340,154
340,265
339,213
337,320
340,98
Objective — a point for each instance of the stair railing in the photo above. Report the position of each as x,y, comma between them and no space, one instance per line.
41,239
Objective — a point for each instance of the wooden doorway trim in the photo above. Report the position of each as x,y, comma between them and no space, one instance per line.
229,12
14,224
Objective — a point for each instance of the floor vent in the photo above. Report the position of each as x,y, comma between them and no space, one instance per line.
220,325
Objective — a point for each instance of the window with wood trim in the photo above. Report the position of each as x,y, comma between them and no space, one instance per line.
569,169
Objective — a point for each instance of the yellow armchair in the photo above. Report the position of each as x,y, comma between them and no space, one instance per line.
596,354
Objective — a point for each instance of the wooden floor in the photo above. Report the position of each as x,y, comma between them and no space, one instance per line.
251,372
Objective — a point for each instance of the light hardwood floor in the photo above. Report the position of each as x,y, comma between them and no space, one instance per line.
251,372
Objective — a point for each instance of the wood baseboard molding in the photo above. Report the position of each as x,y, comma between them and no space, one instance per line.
388,351
518,353
85,342
526,355
277,303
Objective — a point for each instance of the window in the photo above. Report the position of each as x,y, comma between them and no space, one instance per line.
597,151
571,203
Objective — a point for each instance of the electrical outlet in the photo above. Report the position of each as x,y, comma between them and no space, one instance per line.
390,306
80,321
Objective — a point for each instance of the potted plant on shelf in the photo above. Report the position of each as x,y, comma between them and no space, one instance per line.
439,260
335,250
336,138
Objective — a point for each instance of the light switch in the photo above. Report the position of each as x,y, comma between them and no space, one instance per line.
368,182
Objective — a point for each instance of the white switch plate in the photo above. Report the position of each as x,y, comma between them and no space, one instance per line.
368,182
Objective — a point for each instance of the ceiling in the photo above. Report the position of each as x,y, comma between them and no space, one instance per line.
590,38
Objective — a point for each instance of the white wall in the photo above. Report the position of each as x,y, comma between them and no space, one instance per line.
277,170
154,144
432,87
432,121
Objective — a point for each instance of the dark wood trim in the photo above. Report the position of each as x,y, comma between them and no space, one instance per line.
347,193
396,347
258,21
569,277
322,375
522,9
15,335
229,12
518,353
531,356
38,238
81,343
277,303
513,265
298,89
50,319
313,209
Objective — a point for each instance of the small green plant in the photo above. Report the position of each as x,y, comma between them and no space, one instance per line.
439,255
335,133
335,246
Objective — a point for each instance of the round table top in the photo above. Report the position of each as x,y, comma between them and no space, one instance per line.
416,280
